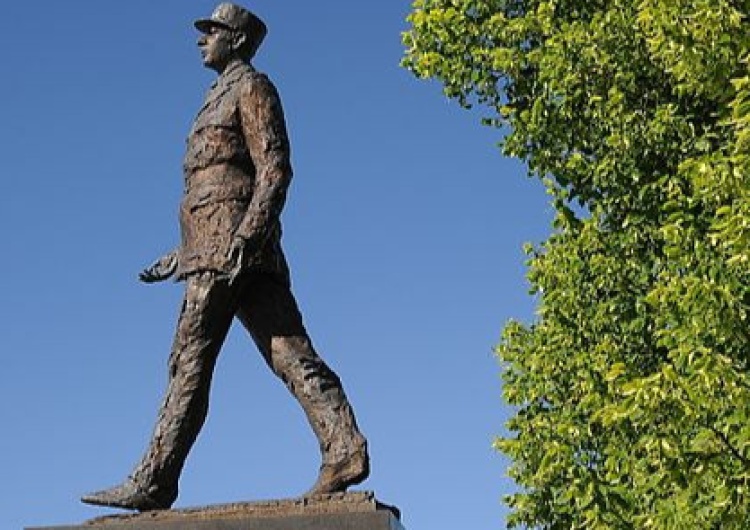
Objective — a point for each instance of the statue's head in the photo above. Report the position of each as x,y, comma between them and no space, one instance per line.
232,32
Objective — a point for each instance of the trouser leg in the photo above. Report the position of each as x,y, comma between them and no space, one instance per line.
204,321
268,310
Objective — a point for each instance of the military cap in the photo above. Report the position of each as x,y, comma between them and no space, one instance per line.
237,18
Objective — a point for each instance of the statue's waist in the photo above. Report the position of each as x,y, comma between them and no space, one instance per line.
218,182
210,145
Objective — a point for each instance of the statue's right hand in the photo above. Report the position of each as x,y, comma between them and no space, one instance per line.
162,269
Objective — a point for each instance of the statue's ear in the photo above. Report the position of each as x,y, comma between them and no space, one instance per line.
239,40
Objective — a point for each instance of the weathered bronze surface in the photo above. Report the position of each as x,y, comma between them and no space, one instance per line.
237,170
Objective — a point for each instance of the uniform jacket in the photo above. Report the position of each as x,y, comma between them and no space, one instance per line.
237,170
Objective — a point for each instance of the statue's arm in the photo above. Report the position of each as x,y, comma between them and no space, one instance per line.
267,141
160,270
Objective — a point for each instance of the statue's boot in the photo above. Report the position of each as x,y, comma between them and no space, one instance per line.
318,389
130,496
338,476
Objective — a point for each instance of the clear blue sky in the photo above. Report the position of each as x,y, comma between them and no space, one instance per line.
403,228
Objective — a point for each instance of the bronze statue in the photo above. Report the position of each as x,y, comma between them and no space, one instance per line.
237,170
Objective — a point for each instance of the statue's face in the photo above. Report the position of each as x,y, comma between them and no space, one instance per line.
216,48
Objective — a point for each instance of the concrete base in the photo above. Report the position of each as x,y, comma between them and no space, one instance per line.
340,511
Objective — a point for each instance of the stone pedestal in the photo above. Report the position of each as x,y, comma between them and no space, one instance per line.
340,511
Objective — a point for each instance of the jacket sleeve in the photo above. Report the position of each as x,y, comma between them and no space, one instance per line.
267,141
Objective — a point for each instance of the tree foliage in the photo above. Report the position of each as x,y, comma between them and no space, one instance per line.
632,386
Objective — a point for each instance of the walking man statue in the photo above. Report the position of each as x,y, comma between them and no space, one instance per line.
237,170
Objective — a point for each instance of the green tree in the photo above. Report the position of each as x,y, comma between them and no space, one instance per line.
632,385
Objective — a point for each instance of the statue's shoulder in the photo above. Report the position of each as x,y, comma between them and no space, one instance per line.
258,83
254,76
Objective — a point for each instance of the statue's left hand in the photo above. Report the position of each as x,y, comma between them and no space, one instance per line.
160,270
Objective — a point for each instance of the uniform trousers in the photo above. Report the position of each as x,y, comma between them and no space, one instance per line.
266,307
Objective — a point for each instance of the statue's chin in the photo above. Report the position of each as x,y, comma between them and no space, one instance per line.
212,65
